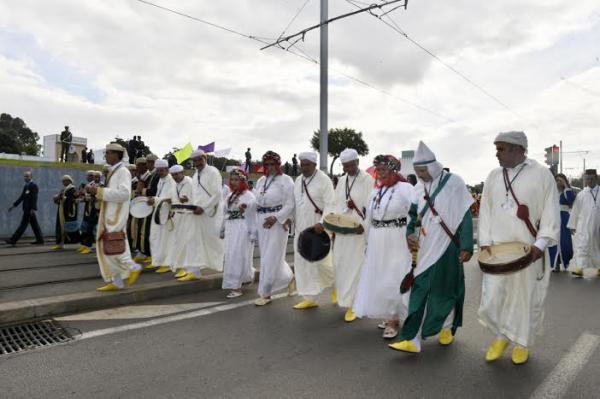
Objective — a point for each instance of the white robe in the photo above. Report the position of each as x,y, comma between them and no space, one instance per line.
387,258
275,273
513,304
207,249
160,233
349,249
240,236
114,213
182,235
312,277
585,219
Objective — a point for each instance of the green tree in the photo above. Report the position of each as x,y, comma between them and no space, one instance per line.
338,140
16,137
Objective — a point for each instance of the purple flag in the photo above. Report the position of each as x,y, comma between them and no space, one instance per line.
210,147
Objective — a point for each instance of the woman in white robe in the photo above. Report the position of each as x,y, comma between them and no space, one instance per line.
275,206
240,234
388,258
160,233
117,270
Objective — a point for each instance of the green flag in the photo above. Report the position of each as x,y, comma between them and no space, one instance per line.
184,153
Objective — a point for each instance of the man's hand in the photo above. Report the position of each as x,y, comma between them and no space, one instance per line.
485,248
536,253
198,211
318,228
91,189
464,256
184,199
360,229
150,201
413,242
269,222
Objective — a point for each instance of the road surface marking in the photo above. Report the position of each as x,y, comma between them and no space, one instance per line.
137,311
170,319
562,376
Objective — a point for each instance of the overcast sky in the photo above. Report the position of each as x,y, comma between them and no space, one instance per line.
108,67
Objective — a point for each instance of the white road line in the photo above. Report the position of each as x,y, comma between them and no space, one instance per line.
169,319
565,372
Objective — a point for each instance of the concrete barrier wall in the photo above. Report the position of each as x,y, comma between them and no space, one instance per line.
49,182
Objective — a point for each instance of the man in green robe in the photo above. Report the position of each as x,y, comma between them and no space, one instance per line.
441,230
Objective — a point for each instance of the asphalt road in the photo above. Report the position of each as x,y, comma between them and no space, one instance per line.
241,351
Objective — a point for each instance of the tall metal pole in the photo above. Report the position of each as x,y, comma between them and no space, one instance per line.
324,83
561,157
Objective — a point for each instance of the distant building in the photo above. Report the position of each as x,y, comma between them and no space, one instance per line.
407,163
52,148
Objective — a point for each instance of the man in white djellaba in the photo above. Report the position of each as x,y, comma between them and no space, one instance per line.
584,224
117,269
313,196
182,234
160,233
519,203
207,249
351,199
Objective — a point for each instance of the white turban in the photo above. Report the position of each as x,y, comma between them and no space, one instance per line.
425,157
308,156
349,154
115,147
67,177
161,163
516,138
197,154
176,169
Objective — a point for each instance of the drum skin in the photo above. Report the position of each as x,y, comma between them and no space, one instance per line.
505,258
340,224
139,208
313,246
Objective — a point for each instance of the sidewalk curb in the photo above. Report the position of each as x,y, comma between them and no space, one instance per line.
16,311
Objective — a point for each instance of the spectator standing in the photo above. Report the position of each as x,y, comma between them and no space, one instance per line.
84,155
66,139
248,167
29,200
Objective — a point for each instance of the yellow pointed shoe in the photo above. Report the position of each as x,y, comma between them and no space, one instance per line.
520,355
262,301
306,305
57,248
80,248
133,276
446,337
577,272
405,346
163,269
139,259
496,350
85,251
188,277
148,260
150,267
349,317
108,287
334,296
181,273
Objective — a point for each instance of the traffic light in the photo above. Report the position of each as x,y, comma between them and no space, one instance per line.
552,155
548,155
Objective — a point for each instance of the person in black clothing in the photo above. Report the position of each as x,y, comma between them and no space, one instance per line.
294,166
132,149
84,155
90,157
287,168
66,138
147,188
90,216
412,179
67,228
248,167
29,199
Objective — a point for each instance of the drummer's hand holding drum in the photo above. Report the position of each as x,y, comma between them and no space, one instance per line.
198,211
536,253
269,222
150,201
319,228
464,256
184,199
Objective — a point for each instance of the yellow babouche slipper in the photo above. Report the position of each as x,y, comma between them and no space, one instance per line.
85,251
181,273
133,276
520,355
108,287
349,316
496,350
446,337
188,277
262,301
150,267
598,272
57,248
577,272
405,346
334,296
80,248
163,269
148,260
139,259
306,305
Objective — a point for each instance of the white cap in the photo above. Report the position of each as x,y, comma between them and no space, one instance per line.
308,156
423,155
197,153
176,169
161,163
517,138
349,154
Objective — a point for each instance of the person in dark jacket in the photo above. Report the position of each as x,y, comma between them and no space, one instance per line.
90,216
29,200
67,228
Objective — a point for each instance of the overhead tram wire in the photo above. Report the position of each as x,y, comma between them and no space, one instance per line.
393,25
293,19
302,55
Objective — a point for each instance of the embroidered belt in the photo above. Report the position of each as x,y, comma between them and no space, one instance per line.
388,223
183,207
233,215
269,209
